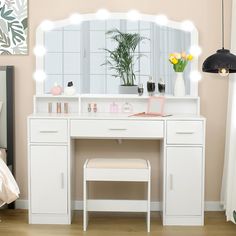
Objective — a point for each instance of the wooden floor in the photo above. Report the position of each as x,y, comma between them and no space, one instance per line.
14,223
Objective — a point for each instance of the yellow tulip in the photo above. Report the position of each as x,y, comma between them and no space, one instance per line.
174,61
190,57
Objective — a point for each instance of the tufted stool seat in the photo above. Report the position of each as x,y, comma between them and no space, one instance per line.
127,170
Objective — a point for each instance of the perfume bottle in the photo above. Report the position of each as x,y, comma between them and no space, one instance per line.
58,107
127,107
140,89
70,89
89,107
161,87
66,108
95,108
49,107
151,86
114,108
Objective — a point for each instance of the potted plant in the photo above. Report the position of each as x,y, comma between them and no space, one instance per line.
122,59
234,214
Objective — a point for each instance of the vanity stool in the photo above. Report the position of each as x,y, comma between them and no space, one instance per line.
129,170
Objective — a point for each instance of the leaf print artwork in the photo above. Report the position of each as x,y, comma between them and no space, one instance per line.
13,27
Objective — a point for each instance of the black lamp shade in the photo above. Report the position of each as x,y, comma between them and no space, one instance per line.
221,59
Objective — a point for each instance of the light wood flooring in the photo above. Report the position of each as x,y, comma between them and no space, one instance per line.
14,223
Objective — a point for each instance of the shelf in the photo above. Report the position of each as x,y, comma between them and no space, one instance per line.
113,96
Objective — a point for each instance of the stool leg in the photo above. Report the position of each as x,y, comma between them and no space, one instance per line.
85,213
148,204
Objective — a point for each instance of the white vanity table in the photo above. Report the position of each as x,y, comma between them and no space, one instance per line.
51,158
51,136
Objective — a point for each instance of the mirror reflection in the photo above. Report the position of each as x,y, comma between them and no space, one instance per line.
83,54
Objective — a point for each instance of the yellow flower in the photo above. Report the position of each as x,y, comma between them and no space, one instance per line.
173,60
190,57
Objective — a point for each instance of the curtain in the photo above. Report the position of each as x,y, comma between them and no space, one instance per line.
228,191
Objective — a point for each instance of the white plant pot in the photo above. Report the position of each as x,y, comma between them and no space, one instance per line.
179,90
128,89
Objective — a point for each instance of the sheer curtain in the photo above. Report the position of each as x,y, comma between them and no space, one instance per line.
228,191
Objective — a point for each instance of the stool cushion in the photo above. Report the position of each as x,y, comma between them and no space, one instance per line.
117,163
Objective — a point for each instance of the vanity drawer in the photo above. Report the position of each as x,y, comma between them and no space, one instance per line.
48,130
185,132
117,129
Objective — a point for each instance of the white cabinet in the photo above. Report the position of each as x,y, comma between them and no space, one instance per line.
48,179
184,164
184,181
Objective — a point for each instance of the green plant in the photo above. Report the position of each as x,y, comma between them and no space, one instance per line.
234,214
122,59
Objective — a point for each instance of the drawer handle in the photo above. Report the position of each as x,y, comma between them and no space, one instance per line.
62,181
171,182
48,131
118,129
185,132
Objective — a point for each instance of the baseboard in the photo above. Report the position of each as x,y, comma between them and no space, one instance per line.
155,206
21,204
213,206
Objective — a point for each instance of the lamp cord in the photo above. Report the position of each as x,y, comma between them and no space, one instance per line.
223,27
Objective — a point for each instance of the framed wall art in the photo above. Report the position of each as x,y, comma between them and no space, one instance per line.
13,27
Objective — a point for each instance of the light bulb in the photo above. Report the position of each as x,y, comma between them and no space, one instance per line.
188,25
75,19
223,72
195,75
195,50
133,15
39,75
161,20
47,25
39,51
103,14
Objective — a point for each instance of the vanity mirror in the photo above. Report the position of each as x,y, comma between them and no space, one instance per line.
78,52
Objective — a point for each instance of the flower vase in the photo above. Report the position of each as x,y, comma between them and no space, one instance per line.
179,90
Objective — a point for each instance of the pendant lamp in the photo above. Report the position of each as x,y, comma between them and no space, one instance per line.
222,62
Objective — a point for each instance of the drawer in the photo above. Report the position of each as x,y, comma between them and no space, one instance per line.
48,130
117,129
185,132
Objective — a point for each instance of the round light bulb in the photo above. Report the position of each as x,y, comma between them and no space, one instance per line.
39,75
161,20
103,14
39,51
223,72
195,75
188,25
195,50
47,25
133,15
75,19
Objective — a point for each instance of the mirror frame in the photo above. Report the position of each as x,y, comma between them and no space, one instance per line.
113,16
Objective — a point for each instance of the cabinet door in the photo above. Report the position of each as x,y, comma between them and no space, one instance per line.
48,179
184,181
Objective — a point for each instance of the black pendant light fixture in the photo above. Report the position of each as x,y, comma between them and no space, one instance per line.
222,62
